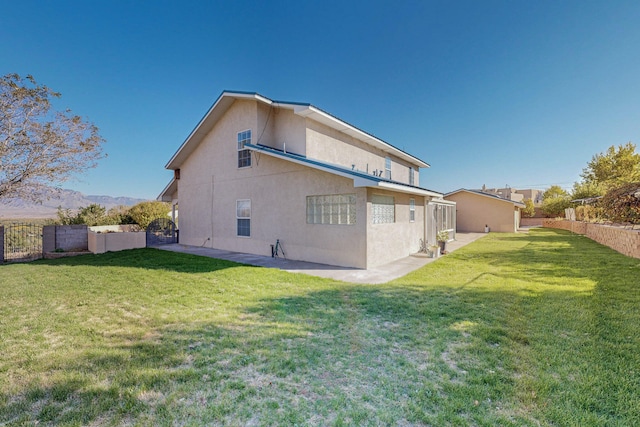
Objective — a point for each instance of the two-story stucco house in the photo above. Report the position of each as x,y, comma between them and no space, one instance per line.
255,170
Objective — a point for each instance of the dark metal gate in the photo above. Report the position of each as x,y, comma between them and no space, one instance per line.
161,231
22,242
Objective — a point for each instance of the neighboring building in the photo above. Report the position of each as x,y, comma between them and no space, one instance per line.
514,195
255,170
535,195
476,210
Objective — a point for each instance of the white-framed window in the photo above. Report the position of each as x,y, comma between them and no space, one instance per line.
243,218
412,210
244,154
387,167
383,209
411,176
336,209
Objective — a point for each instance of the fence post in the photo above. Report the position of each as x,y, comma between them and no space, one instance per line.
1,244
48,239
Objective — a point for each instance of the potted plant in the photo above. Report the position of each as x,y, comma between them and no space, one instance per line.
442,237
434,251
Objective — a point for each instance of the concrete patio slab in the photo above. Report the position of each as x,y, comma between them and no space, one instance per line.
381,274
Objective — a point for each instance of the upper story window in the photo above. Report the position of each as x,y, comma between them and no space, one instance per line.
244,154
411,176
387,167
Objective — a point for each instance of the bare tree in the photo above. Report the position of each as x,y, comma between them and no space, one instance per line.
40,147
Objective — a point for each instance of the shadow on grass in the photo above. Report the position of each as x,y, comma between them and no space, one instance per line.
146,258
509,341
357,353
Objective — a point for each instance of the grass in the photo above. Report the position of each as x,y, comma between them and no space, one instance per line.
514,329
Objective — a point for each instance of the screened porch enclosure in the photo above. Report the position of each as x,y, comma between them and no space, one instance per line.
442,215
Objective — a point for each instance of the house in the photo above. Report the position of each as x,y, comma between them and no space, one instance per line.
477,210
514,194
255,171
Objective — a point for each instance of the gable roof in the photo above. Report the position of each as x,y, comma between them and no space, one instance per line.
227,98
492,196
360,179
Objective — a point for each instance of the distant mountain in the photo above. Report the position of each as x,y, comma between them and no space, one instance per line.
67,199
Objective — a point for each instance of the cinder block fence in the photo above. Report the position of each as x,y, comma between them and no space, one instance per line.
68,238
623,240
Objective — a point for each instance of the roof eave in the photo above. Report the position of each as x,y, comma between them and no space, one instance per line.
167,194
219,107
490,196
409,190
327,119
359,180
226,98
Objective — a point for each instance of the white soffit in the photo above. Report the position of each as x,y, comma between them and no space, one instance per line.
328,120
408,190
169,191
358,181
209,120
226,99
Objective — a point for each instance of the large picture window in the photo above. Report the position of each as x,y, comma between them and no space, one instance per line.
337,209
383,209
244,154
243,218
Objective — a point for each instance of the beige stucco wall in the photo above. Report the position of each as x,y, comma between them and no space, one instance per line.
210,184
281,129
535,195
474,211
329,145
389,242
113,238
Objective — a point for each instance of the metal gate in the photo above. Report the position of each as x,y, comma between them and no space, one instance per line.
161,231
22,242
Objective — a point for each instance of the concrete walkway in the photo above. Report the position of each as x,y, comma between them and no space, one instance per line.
381,274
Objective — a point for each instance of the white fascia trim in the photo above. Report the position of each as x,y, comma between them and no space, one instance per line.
443,202
195,130
361,182
223,96
489,196
357,180
409,190
310,111
166,189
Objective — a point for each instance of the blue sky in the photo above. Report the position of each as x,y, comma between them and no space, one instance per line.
511,92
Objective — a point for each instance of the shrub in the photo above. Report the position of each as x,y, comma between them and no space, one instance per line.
555,206
145,212
529,210
91,215
622,203
119,215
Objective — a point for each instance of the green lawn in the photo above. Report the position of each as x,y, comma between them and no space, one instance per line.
514,329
